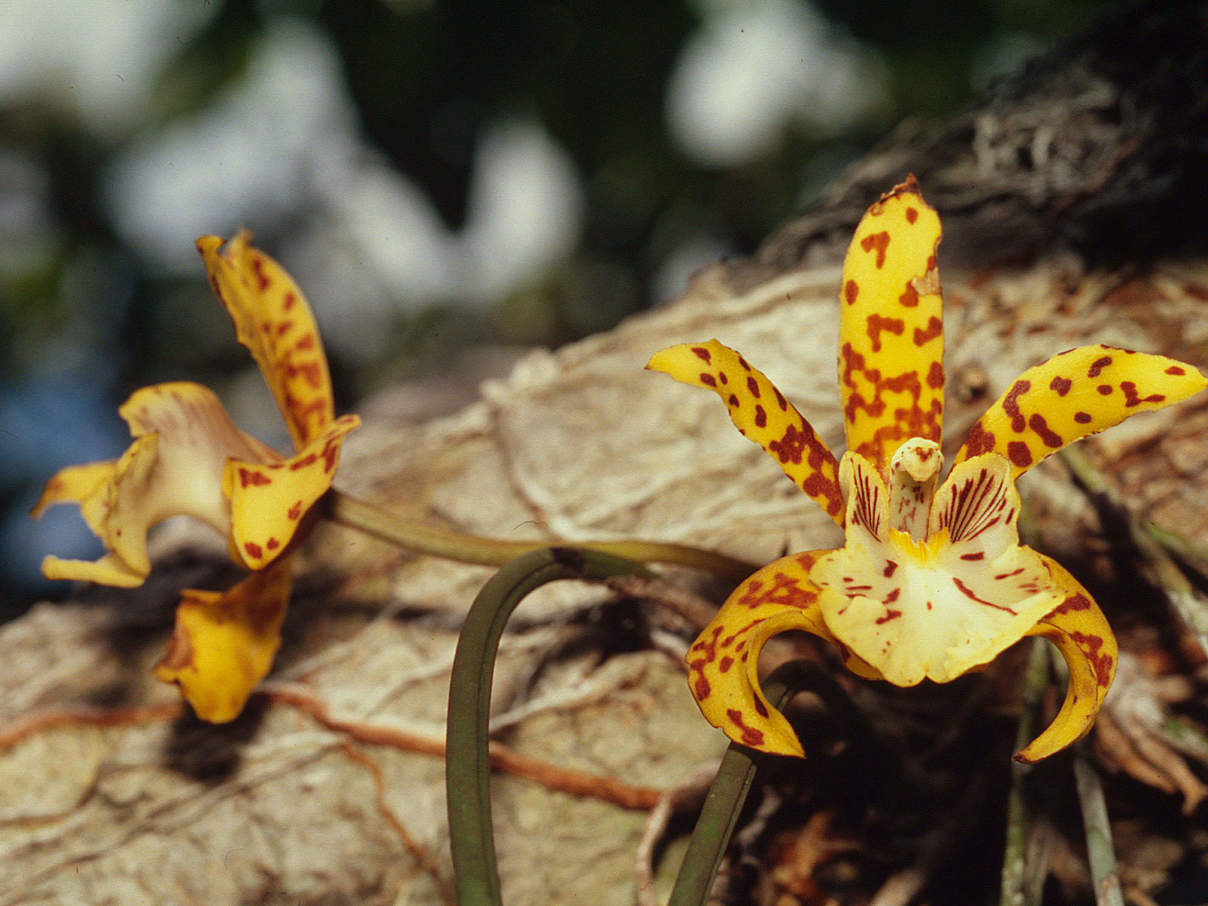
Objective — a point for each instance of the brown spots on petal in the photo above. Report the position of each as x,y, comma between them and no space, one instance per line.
1040,426
935,328
284,327
295,511
1061,385
761,417
979,555
1132,398
753,386
330,452
935,376
701,353
302,463
724,665
879,242
890,567
1090,646
262,281
979,441
1082,418
910,298
721,376
889,615
760,708
306,343
707,379
289,301
876,324
781,401
750,736
1098,365
1019,454
851,291
1010,404
1175,370
1071,604
249,477
912,214
253,550
733,401
272,544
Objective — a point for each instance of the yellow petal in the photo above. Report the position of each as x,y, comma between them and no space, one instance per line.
938,608
1080,631
891,339
1074,394
723,662
183,438
761,413
273,320
224,643
269,501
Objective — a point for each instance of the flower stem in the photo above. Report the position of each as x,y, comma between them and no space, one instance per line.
728,794
465,548
467,758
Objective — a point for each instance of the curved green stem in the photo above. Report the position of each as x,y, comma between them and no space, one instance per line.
467,758
728,794
453,545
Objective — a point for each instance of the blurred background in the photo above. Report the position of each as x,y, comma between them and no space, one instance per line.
438,176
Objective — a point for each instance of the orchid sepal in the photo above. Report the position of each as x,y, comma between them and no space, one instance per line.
723,662
761,413
1073,395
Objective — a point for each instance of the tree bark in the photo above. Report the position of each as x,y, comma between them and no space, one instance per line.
1072,201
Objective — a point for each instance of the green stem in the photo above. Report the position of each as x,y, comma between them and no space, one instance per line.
735,775
1099,848
467,758
465,548
1017,888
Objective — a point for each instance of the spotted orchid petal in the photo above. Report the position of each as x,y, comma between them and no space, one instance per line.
1081,633
1074,394
183,438
269,500
224,642
891,336
761,413
723,662
934,608
273,320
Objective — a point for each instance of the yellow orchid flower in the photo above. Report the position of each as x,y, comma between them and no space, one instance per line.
931,582
188,458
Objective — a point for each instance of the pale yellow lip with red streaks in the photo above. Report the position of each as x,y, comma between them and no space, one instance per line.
931,581
189,458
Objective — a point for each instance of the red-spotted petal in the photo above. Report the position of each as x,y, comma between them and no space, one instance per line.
723,662
273,320
1074,394
1081,633
761,413
938,608
891,337
268,501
